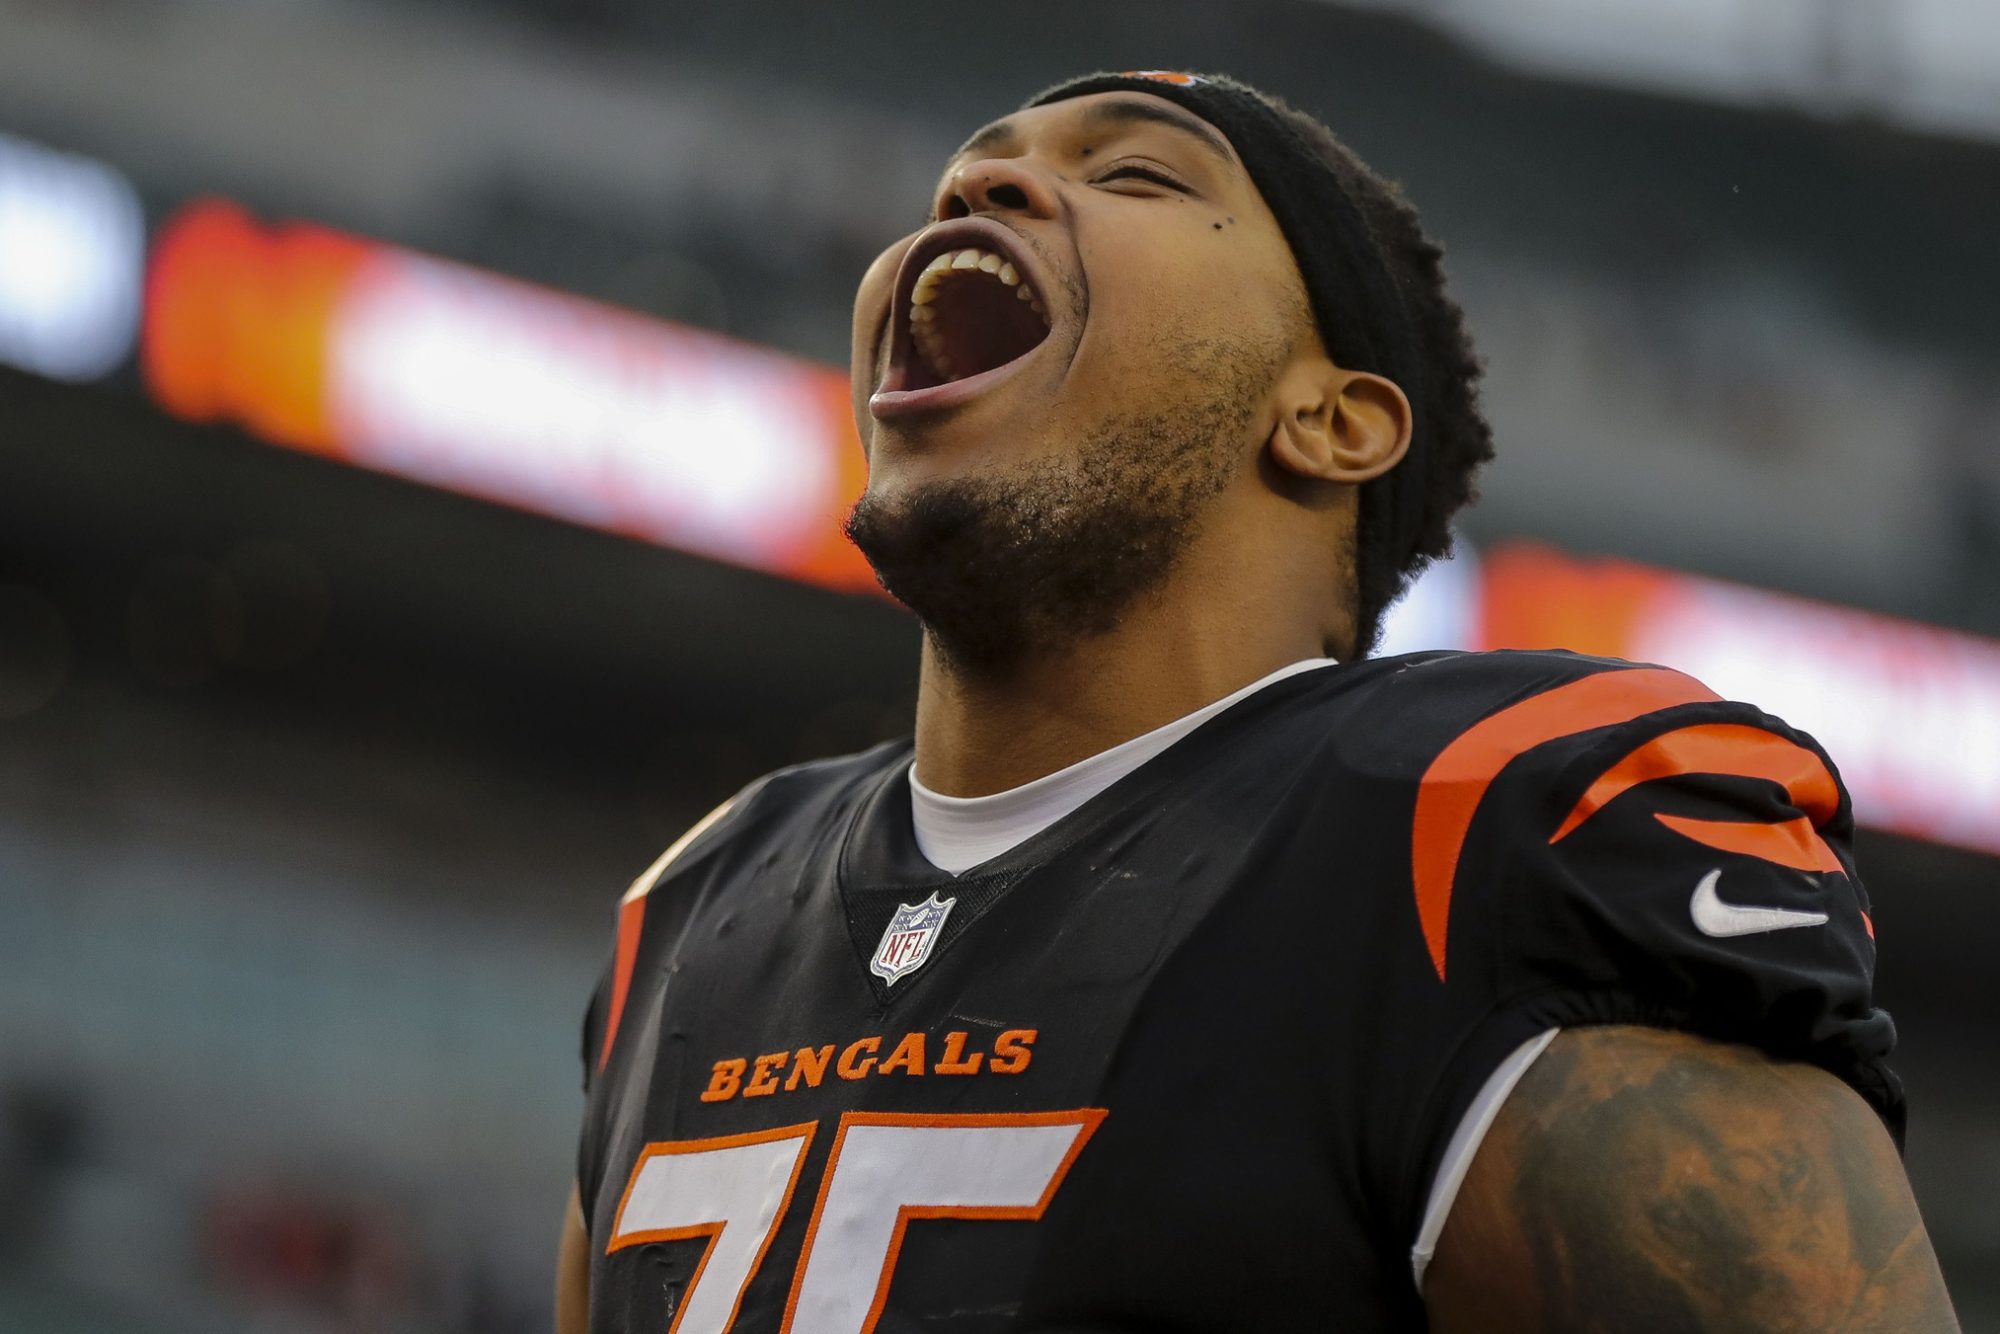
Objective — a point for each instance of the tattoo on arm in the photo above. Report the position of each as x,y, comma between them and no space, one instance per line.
1639,1180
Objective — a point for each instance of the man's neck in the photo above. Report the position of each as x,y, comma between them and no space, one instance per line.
977,735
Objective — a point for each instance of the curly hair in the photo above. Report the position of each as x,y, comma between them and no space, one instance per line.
1393,539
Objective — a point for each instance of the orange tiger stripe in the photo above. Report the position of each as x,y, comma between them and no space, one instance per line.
1457,780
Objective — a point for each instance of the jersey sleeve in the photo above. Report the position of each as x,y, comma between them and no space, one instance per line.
602,1017
1689,868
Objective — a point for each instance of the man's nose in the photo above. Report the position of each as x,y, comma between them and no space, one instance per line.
998,185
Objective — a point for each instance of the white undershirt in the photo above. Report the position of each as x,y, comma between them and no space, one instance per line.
956,834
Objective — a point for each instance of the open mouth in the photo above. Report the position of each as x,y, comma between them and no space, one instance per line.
970,311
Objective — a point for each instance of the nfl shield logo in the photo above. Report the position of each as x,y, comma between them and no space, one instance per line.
908,941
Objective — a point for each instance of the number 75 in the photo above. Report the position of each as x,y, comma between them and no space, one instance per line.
885,1169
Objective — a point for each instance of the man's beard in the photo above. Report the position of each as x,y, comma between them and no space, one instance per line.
1016,565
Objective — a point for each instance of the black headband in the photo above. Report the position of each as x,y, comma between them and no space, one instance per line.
1357,303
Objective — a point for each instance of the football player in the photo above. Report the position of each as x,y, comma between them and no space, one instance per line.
1190,970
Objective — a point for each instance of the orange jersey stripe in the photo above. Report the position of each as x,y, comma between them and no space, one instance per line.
1731,748
1457,780
631,916
1716,748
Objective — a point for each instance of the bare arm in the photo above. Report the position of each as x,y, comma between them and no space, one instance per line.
573,1272
1639,1180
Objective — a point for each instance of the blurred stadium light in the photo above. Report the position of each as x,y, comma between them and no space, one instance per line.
441,373
72,239
1441,608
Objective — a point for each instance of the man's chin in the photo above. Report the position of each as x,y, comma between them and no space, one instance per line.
1021,561
925,541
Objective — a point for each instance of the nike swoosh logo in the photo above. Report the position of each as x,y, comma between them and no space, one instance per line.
1713,917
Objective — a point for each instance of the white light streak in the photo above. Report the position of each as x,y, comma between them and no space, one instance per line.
72,247
455,377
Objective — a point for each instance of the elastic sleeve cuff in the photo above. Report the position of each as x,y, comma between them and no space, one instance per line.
1506,1028
1860,1070
1464,1146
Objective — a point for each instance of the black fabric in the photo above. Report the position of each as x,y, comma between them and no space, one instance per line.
896,873
593,1023
1220,963
1597,927
1363,315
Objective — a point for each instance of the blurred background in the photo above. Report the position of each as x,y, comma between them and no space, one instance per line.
419,478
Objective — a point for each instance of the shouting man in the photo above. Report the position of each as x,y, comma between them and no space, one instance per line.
1190,970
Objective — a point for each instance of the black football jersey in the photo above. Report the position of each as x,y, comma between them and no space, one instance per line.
1188,1059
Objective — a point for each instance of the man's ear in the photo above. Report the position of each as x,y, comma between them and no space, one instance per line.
1339,425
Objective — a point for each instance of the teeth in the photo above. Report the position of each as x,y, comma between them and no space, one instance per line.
926,289
932,347
953,261
923,318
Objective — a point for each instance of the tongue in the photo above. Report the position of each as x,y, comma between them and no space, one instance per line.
982,324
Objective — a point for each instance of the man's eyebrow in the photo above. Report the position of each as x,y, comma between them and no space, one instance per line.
1120,112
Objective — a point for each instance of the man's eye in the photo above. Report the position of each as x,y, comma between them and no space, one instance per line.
1135,171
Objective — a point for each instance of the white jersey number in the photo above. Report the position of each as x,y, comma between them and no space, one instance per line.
884,1170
